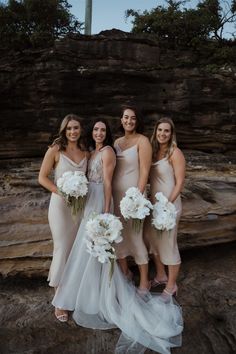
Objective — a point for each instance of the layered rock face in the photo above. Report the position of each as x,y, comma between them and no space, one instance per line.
92,77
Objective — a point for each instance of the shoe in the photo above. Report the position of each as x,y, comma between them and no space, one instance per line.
155,282
62,317
144,291
171,292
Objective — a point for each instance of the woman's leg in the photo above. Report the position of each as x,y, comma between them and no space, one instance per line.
144,282
161,275
123,266
173,271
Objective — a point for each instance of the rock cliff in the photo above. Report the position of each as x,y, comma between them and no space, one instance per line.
93,76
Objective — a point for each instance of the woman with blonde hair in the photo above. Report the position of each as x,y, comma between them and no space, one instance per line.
167,176
65,154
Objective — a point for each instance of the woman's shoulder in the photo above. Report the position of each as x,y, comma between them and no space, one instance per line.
108,151
53,150
177,154
118,140
107,148
54,147
142,138
52,154
143,141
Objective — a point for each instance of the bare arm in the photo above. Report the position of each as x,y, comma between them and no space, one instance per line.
145,160
49,161
178,163
109,160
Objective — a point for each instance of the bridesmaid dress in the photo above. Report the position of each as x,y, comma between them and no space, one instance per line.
126,175
99,302
162,179
63,227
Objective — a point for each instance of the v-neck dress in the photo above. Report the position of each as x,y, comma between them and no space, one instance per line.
63,227
126,175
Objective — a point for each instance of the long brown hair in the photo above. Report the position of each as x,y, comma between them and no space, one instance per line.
172,144
61,140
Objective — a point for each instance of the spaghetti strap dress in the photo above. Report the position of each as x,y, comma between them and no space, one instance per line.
164,243
63,227
126,175
99,301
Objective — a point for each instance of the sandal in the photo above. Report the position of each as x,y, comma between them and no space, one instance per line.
171,292
144,291
63,317
155,282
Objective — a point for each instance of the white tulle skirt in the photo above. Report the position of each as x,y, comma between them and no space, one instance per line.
98,302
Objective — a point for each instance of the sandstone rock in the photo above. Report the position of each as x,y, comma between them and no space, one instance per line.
209,211
92,76
207,293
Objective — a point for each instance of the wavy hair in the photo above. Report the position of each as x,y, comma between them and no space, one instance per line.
172,144
90,143
61,139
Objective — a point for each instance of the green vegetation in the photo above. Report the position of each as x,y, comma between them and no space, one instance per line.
178,26
35,23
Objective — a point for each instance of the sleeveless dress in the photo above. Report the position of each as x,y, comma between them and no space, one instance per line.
99,302
63,227
162,179
126,175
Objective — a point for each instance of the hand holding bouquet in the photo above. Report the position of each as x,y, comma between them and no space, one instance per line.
102,231
164,213
73,186
135,206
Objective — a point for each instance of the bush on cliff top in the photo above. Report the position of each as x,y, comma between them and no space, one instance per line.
35,23
181,27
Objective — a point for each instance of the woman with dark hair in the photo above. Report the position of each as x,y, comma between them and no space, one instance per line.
166,176
101,301
90,143
65,154
134,156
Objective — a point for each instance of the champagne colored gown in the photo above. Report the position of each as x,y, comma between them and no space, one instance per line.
126,175
63,227
164,243
99,302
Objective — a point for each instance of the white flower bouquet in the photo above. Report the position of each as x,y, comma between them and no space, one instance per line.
135,206
164,213
102,231
73,186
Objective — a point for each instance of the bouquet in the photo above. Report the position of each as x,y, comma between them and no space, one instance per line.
135,206
102,231
73,186
164,213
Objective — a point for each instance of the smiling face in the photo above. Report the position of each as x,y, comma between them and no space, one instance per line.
129,120
99,133
73,131
163,133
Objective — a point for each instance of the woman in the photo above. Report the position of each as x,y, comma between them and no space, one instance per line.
134,156
65,154
99,302
166,176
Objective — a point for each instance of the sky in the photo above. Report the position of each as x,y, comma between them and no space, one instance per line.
108,14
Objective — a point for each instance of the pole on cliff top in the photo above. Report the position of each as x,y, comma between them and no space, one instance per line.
88,17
